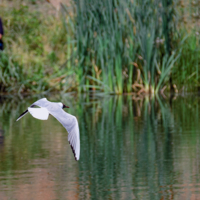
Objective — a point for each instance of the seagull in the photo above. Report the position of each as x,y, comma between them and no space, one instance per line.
69,122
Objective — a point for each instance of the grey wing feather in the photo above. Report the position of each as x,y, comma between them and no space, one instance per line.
71,125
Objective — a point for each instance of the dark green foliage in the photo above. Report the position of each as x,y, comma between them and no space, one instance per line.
13,77
186,74
112,46
117,39
10,73
35,46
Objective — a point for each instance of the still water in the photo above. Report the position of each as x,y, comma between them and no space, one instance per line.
130,149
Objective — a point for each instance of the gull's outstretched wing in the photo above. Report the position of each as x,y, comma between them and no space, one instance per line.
41,103
39,113
24,113
71,125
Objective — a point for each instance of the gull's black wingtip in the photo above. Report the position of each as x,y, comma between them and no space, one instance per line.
73,152
32,106
21,115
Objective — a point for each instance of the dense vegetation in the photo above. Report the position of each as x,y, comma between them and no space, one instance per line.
112,46
35,49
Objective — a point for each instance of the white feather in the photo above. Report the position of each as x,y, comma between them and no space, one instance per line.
39,113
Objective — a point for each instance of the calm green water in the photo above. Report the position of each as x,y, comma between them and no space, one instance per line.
130,149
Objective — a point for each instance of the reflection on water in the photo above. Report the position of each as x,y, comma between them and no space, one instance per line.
130,149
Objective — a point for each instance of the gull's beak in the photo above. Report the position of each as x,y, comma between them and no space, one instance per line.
64,106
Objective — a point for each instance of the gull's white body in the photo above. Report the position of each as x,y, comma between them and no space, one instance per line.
68,121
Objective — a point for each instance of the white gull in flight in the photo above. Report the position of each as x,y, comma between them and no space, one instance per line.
68,121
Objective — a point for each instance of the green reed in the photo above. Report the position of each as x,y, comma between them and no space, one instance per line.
122,44
186,75
112,46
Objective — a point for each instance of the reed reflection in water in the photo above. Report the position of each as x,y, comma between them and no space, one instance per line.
130,149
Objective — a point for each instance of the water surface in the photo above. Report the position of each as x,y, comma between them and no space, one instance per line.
130,149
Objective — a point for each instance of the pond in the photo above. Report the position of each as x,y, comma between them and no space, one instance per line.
130,149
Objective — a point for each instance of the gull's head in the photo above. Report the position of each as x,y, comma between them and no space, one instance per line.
62,105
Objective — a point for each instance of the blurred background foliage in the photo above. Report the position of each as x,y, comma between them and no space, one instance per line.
35,47
111,46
